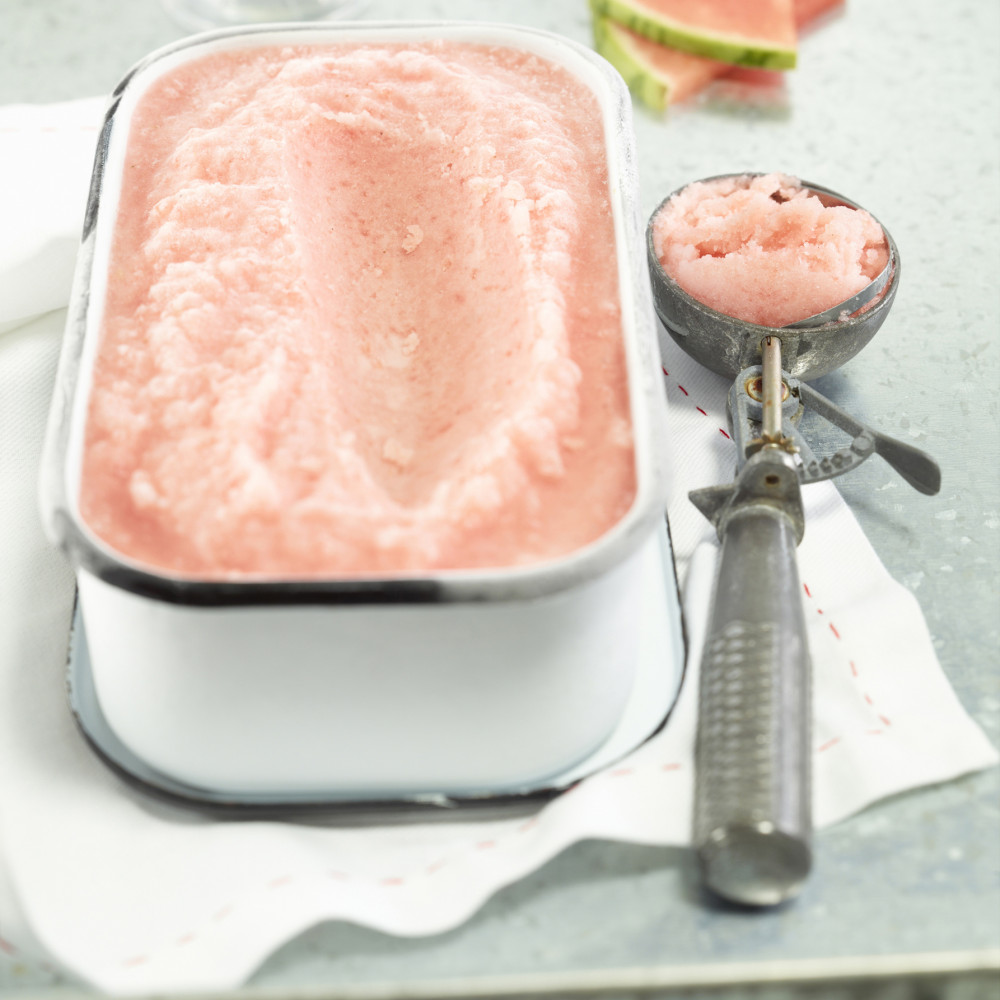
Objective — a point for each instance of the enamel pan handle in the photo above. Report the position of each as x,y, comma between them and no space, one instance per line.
752,826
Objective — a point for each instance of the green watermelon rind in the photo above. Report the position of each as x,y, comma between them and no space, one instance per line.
641,80
740,51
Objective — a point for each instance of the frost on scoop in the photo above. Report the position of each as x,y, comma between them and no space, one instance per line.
766,250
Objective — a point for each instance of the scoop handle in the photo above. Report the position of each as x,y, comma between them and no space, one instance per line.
753,825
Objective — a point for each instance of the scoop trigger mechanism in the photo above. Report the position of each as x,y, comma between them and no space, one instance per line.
746,418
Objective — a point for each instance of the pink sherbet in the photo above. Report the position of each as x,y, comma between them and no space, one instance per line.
764,249
362,318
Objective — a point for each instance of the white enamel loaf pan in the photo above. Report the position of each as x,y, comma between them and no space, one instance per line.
453,685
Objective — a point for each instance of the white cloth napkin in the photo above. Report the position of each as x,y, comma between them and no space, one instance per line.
82,858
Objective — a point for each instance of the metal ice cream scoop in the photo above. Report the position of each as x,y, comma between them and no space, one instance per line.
752,825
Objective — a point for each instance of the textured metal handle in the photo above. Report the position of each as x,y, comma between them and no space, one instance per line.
753,790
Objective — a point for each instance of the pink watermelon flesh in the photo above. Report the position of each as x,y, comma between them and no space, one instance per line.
761,19
808,13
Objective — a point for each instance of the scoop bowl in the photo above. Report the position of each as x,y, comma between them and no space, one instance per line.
727,345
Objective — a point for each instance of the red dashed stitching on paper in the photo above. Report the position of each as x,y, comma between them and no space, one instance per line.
833,628
854,673
389,882
703,412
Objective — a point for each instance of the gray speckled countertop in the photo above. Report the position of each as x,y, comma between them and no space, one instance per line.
896,103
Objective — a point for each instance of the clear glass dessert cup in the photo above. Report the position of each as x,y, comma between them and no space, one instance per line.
203,15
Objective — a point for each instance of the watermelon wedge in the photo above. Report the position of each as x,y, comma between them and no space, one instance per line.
660,75
656,74
743,32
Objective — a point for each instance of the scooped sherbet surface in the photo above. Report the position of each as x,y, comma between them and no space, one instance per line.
764,249
363,317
